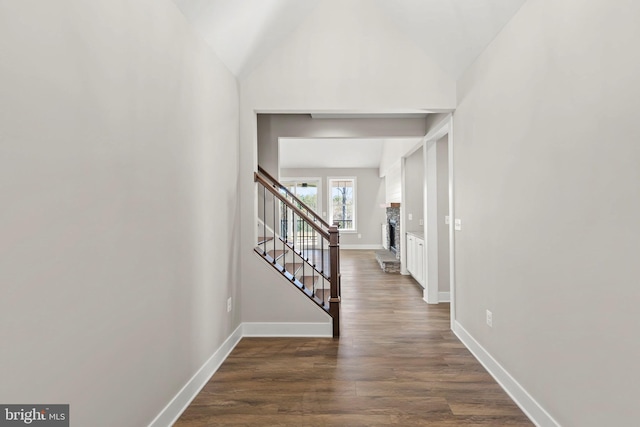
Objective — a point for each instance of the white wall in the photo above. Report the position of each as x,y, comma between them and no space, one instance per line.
414,191
393,183
118,187
394,149
362,61
369,197
359,62
442,165
432,241
547,187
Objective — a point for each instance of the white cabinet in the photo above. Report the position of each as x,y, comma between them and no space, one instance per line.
411,252
415,257
419,262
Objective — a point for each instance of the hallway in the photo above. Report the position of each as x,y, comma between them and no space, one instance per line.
396,363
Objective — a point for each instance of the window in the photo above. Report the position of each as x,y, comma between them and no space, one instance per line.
305,189
342,203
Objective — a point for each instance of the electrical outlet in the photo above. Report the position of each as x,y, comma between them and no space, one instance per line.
446,219
458,224
421,221
489,319
359,236
229,305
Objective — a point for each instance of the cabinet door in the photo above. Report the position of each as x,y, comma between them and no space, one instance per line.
411,250
419,261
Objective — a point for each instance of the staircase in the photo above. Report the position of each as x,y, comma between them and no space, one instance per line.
299,244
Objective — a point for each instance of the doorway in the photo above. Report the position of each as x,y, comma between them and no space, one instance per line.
439,224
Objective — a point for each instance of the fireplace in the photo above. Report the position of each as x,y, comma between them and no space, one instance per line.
393,228
389,258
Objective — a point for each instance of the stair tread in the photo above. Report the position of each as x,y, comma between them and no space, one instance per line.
323,294
293,267
308,281
278,253
316,257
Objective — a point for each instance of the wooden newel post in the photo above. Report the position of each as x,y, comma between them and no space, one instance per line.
334,259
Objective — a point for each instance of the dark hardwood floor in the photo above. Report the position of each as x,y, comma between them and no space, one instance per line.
396,363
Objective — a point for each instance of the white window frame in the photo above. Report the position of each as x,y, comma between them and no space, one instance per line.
355,202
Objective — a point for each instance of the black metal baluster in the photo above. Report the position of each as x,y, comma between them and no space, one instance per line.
322,255
283,230
309,248
322,266
293,245
274,229
264,220
303,251
293,238
313,271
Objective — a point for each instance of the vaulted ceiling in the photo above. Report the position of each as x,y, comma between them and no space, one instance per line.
243,33
451,32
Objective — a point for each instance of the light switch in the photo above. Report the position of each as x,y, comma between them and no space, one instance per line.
446,219
410,217
458,224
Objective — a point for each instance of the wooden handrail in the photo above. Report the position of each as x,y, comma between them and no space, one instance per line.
293,196
312,223
268,175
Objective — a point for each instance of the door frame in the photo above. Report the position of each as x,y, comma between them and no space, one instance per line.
443,128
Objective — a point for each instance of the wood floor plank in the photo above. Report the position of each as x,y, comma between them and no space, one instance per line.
396,363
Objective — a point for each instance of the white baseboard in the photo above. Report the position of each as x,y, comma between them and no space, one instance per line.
275,329
425,297
170,414
520,396
442,297
361,247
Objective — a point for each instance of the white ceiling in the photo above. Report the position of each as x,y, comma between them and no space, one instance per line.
334,152
244,32
330,152
451,32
